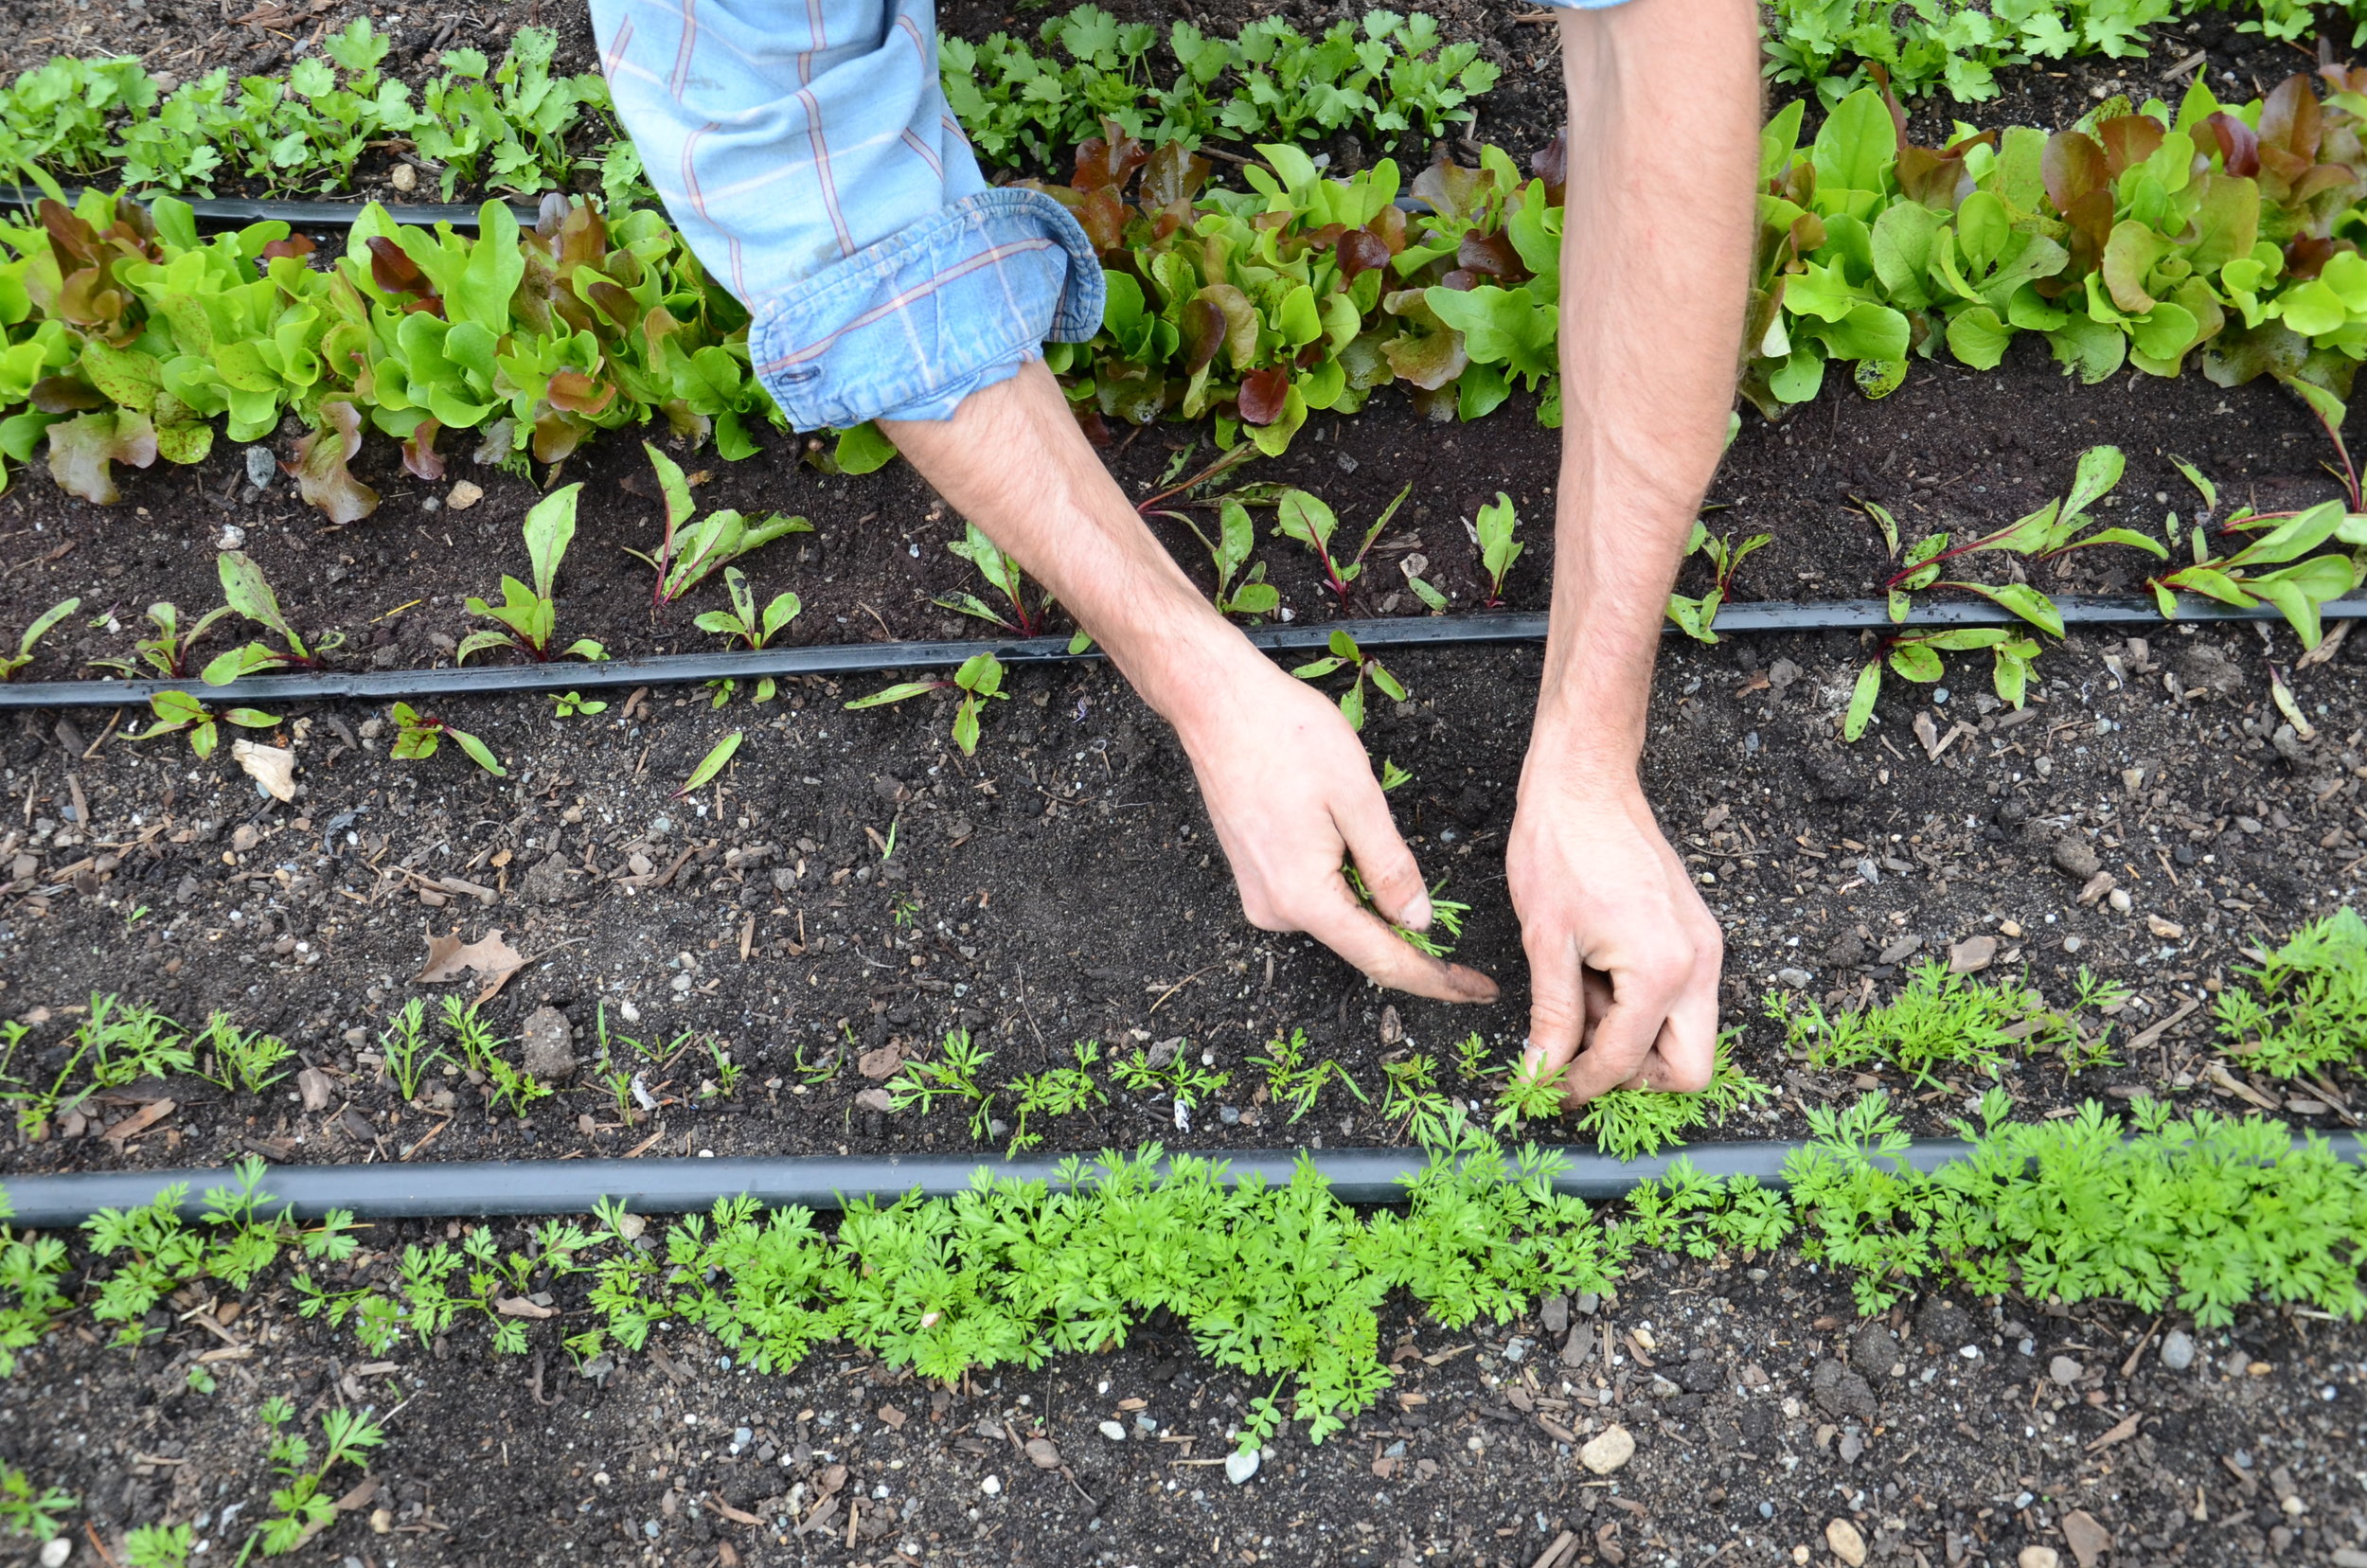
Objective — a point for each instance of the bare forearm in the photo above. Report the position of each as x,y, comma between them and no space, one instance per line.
1012,461
1664,134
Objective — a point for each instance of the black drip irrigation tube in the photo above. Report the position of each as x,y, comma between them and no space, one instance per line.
479,1189
1399,632
302,215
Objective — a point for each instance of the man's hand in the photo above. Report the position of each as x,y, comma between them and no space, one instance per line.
1292,796
1286,781
1623,957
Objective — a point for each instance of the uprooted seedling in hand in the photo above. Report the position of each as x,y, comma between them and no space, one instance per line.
1345,654
1301,516
417,737
529,617
1003,573
245,589
177,711
11,663
979,678
686,555
1697,618
1446,915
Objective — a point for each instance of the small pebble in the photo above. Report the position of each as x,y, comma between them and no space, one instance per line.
1115,1433
231,537
1847,1544
2064,1371
2119,899
1613,1446
1239,1467
2039,1556
2178,1351
262,467
991,1485
55,1552
1798,979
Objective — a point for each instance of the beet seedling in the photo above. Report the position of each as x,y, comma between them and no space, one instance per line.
10,664
177,711
686,556
1697,618
1003,573
168,652
1493,532
417,735
1301,516
1345,654
711,764
530,617
742,622
1917,659
1229,550
2298,589
2329,411
979,679
246,591
566,705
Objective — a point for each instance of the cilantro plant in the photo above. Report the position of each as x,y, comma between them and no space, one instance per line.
527,616
417,736
2304,1008
979,679
177,713
686,555
953,1075
1345,654
246,590
1697,618
1293,1081
11,663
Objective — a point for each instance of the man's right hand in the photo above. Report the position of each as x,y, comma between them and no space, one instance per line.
1291,793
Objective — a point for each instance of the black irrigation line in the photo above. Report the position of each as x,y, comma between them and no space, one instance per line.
477,1189
302,215
1397,631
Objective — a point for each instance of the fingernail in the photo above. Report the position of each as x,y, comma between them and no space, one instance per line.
1417,913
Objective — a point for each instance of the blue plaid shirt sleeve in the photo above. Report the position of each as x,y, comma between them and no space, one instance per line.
804,148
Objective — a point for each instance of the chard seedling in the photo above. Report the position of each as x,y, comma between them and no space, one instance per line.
686,556
1697,618
1002,572
168,652
742,623
1345,654
244,588
1493,533
979,678
177,711
529,617
711,764
1170,487
1292,1081
10,664
1236,537
566,705
1917,659
1301,516
417,735
2298,588
2330,412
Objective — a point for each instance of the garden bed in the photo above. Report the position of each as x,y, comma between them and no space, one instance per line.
791,938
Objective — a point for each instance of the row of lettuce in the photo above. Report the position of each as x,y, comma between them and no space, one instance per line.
2149,237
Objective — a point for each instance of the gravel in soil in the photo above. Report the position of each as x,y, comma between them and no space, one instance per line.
2149,816
1764,1422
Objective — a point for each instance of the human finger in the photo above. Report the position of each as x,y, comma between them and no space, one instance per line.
1356,934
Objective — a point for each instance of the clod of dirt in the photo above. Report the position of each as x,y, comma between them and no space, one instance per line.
1044,1454
1972,954
1941,1322
2064,1371
1838,1391
1901,950
2076,857
1847,1544
548,1044
1607,1450
1875,1351
314,1085
1831,776
876,1100
880,1061
1847,952
546,883
2207,666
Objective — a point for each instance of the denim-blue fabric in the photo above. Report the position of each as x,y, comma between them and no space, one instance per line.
804,151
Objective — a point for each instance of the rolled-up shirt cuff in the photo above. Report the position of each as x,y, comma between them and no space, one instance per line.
908,327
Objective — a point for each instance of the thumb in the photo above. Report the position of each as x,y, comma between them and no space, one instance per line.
1381,857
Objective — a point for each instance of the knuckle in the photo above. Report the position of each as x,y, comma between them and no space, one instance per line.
1685,1077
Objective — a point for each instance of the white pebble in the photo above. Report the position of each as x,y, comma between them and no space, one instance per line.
1239,1467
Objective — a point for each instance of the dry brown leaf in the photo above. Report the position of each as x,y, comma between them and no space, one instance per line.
494,959
273,767
519,1307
